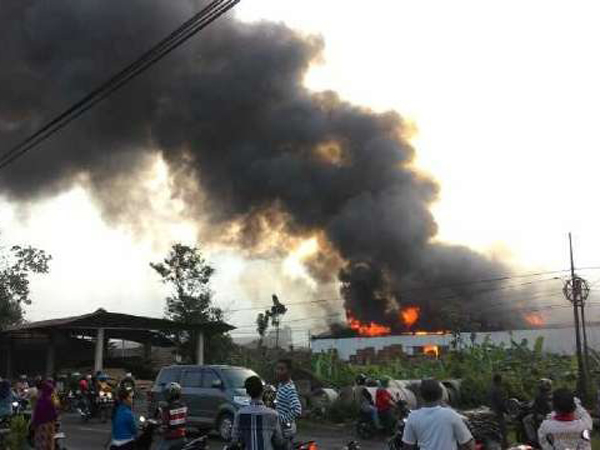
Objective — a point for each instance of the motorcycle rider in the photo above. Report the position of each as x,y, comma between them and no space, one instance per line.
385,404
365,400
128,382
174,419
22,386
565,427
542,406
124,428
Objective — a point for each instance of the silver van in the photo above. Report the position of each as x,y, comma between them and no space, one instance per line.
212,394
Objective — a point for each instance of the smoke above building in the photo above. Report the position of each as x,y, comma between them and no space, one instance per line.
250,150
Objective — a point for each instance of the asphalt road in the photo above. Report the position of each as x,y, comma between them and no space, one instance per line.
94,435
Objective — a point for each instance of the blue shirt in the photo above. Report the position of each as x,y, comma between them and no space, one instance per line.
123,425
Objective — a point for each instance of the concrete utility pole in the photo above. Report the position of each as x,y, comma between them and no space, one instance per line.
574,290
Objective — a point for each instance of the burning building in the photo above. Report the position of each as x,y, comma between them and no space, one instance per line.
559,339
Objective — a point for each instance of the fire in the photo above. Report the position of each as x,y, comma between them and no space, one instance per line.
432,350
534,319
367,329
410,315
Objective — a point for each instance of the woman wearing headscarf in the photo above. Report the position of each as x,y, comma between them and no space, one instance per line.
44,418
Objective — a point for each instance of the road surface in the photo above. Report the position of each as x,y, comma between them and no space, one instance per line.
94,435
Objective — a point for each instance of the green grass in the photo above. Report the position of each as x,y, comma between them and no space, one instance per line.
596,442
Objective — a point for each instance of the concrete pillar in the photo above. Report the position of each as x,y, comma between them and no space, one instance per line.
199,347
51,356
99,354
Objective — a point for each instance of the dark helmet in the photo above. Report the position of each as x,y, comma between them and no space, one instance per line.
172,392
545,385
361,379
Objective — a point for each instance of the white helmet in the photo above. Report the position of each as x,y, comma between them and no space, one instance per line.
172,391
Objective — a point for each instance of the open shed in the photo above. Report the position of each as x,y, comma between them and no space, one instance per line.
99,327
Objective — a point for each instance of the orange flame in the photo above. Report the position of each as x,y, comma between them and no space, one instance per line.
431,350
534,319
367,328
410,315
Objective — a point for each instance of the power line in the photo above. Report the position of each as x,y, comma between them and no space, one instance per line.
188,29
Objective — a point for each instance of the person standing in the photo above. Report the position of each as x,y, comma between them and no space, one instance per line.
44,418
257,427
434,427
498,399
287,400
566,426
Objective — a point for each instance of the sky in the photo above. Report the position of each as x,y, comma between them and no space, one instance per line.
503,98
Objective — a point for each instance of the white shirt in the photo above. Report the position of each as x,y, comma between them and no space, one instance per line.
566,435
436,428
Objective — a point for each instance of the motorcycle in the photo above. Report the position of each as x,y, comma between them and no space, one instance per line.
105,405
149,427
392,426
518,412
83,408
59,437
395,442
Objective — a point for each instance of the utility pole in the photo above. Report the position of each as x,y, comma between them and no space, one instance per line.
573,292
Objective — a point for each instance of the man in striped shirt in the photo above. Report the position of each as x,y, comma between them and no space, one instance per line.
287,400
256,426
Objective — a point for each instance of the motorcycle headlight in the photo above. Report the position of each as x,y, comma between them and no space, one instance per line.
241,400
109,395
15,404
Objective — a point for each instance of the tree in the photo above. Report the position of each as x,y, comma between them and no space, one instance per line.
16,266
188,274
272,315
262,324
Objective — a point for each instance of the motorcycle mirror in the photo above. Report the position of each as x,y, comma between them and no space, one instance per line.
585,435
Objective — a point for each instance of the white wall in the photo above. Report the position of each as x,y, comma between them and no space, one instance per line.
556,340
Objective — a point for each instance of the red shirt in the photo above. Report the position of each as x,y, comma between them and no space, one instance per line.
83,385
174,419
383,400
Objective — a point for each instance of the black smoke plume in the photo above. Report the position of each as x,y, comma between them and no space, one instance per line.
229,112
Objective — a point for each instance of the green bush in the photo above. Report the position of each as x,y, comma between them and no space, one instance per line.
19,430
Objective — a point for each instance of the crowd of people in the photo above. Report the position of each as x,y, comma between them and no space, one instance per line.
556,420
44,399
